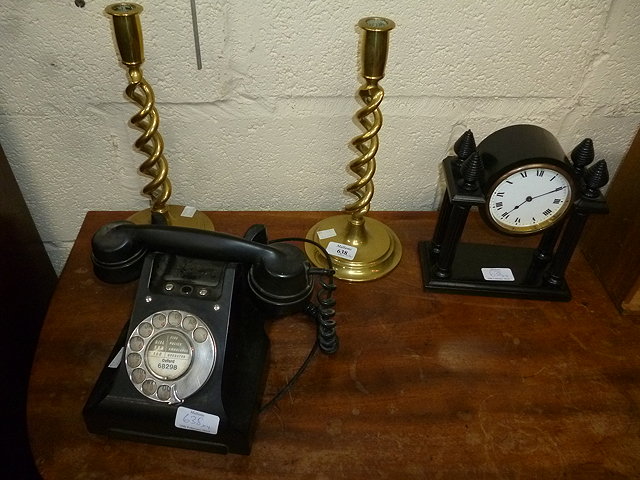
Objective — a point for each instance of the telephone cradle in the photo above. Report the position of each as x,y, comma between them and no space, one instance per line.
189,368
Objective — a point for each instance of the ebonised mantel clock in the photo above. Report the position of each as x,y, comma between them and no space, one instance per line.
522,183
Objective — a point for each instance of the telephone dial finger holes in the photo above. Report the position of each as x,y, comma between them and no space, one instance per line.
200,334
164,392
170,355
148,387
158,320
189,323
134,359
174,319
136,343
138,375
145,329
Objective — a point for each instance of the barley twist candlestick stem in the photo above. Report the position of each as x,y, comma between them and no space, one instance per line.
362,248
128,33
150,142
367,144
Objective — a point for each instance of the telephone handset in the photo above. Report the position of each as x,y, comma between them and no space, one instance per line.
189,367
278,273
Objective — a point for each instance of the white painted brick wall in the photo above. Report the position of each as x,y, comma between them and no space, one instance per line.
266,123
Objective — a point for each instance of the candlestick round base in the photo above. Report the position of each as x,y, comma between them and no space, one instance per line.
375,249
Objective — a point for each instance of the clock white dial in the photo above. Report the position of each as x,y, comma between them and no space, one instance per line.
530,199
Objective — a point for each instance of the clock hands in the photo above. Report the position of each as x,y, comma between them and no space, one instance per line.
543,194
530,198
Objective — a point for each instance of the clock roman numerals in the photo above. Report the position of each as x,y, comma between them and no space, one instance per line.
529,199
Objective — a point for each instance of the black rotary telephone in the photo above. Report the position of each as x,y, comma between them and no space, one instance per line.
189,367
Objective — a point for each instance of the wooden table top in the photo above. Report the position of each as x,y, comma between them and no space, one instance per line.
424,385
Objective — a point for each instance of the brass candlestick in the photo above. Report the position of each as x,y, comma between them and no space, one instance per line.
362,248
128,33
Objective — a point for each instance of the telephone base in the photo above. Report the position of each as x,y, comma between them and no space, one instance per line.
178,442
220,415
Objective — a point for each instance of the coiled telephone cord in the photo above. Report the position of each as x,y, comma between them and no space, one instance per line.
322,313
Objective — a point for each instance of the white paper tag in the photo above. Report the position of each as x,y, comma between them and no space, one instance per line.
117,359
195,420
341,250
322,234
188,212
498,274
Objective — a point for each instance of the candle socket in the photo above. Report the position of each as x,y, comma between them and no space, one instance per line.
375,46
128,31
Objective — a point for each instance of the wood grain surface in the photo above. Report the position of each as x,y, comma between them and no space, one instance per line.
616,257
424,385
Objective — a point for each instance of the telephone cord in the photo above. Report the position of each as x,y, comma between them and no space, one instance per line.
323,313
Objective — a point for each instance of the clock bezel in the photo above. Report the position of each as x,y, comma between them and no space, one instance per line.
549,164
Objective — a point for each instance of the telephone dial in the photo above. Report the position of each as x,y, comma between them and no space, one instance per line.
189,367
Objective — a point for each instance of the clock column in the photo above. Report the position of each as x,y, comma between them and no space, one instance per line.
581,156
463,192
463,148
591,201
544,252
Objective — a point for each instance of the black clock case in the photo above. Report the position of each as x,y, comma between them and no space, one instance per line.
503,150
518,146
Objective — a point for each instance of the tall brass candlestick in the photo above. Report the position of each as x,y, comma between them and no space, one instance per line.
362,248
128,33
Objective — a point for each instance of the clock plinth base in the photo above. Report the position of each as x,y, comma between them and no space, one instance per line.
467,278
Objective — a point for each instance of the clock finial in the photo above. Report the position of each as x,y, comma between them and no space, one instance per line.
582,155
595,178
472,170
464,146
